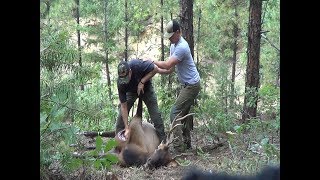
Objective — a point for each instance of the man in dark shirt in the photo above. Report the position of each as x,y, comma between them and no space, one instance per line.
134,79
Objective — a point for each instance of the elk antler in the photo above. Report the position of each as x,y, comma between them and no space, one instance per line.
185,116
169,138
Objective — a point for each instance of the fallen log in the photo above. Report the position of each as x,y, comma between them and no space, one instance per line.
92,134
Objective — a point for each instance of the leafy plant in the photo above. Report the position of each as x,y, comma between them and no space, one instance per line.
107,160
270,149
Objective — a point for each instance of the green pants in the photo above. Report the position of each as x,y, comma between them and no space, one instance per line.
150,100
186,97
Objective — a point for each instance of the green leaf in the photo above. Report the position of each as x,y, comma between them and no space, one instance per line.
112,158
110,144
75,163
238,128
106,163
183,162
97,164
98,143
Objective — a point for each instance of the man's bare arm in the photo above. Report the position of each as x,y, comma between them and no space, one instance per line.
171,62
164,71
148,76
124,114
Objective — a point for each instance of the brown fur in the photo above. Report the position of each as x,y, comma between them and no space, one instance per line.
140,144
143,147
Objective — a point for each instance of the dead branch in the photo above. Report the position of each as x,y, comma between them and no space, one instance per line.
83,156
265,37
92,134
182,155
86,147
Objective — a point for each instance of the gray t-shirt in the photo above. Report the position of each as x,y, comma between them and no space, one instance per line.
186,69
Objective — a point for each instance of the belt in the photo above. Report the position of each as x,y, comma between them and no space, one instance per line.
188,84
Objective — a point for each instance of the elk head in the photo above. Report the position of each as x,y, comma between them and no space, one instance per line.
162,156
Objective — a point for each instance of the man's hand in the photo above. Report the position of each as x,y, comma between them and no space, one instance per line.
140,88
126,133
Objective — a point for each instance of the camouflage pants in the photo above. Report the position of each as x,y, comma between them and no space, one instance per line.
183,103
150,100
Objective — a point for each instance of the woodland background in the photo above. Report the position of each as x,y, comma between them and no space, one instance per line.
236,48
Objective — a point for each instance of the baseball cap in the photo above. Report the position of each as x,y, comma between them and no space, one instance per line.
123,72
171,28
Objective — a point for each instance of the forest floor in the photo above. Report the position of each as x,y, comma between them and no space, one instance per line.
241,155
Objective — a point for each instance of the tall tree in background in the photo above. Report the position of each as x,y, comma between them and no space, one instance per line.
126,30
186,22
235,50
162,42
253,61
170,77
198,39
77,15
105,29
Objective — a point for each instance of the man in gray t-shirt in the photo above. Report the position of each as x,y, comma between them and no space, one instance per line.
181,58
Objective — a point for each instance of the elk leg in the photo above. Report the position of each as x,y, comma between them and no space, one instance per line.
131,98
150,99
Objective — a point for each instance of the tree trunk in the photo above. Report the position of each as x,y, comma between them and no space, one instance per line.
106,49
186,22
79,38
252,71
163,78
126,31
278,74
162,40
235,50
170,81
198,39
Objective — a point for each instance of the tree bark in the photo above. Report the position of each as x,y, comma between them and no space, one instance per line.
106,49
170,81
163,78
252,70
235,50
198,39
79,36
186,22
126,31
